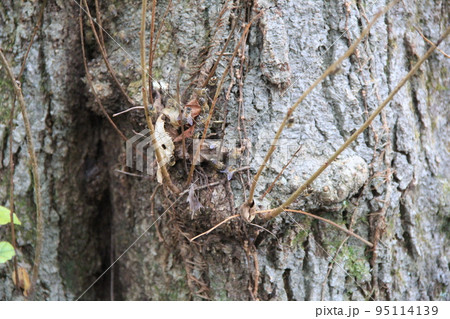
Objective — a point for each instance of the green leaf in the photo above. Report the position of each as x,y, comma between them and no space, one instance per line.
5,217
6,251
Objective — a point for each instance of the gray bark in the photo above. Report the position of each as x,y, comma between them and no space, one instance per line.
391,185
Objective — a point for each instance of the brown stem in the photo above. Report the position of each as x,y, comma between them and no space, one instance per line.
161,24
213,69
91,85
11,190
35,30
99,23
279,174
180,109
151,53
34,167
11,129
105,57
164,172
211,229
430,42
348,232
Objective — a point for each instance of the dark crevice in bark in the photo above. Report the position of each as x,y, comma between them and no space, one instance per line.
287,284
317,237
102,229
405,218
387,68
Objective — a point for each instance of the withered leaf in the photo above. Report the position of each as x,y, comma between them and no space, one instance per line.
164,144
195,108
173,114
157,102
194,203
187,133
24,280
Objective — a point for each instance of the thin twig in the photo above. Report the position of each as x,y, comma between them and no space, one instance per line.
128,173
352,138
211,229
11,129
34,166
128,110
199,187
180,110
213,69
429,41
330,267
161,25
105,57
35,30
11,190
99,23
164,172
151,53
91,85
279,174
265,229
216,96
332,68
348,232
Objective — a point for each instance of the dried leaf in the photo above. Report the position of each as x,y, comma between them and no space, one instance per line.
164,144
157,102
229,170
194,203
187,133
247,211
24,280
195,107
173,114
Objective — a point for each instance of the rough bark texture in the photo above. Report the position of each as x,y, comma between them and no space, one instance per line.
391,186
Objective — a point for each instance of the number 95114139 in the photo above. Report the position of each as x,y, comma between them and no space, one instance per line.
405,310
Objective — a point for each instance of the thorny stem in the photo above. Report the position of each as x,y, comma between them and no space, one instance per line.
164,172
275,212
332,68
216,96
34,166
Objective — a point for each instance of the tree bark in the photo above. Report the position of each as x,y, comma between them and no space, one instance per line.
391,186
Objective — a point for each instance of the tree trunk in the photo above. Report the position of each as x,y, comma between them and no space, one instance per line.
390,186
